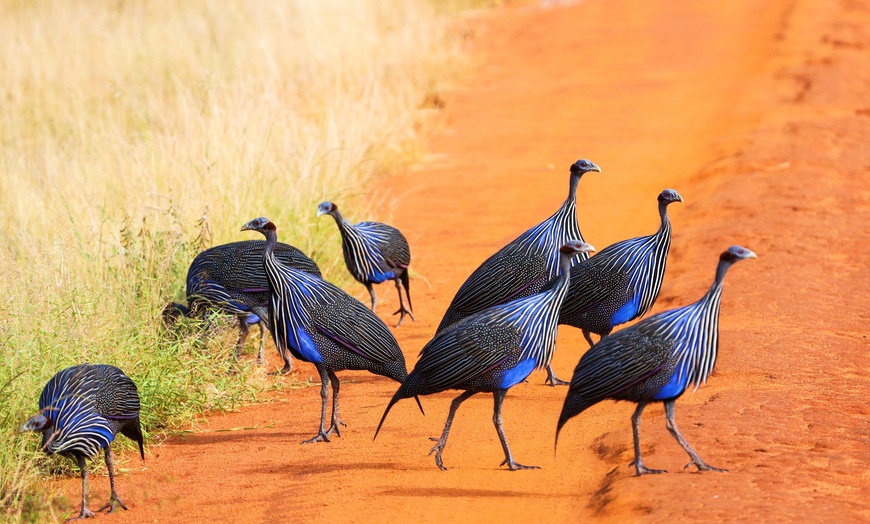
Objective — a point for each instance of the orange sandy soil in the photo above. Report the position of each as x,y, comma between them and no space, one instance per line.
758,113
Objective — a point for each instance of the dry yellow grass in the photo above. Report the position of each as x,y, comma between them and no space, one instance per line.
135,133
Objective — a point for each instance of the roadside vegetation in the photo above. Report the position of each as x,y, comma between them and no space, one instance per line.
135,134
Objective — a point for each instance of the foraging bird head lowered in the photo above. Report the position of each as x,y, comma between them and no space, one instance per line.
735,254
583,166
326,208
261,224
669,196
37,423
573,247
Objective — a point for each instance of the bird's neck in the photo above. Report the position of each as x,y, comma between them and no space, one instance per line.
271,242
663,214
343,225
721,269
564,272
572,188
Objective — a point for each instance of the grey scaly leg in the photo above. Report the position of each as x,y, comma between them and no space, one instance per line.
114,500
85,513
243,335
439,448
498,397
588,336
336,417
672,427
324,394
263,330
635,429
372,293
404,311
552,379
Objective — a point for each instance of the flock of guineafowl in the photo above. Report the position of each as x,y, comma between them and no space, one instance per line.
500,326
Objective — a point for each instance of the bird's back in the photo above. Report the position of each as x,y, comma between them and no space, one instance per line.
88,405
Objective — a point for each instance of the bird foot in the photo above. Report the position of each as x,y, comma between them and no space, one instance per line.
437,450
643,470
514,465
284,371
84,514
404,312
322,436
555,381
703,466
334,427
113,504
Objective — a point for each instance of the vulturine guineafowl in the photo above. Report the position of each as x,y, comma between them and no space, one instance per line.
655,360
229,278
319,323
622,281
81,409
491,351
374,253
524,266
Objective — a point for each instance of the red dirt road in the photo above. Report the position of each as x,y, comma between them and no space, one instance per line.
758,114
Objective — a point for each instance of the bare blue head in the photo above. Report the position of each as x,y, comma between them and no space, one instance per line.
735,254
583,166
326,208
261,224
574,247
38,423
669,196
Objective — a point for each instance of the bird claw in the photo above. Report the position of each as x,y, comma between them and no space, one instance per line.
643,470
334,428
113,504
514,465
85,513
404,312
437,450
703,466
556,381
322,436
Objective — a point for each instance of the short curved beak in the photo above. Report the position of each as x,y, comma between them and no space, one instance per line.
595,167
679,198
247,227
320,212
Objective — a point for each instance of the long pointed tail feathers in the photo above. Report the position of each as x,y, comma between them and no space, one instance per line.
406,281
573,406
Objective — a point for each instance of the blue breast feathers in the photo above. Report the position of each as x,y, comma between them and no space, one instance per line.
676,385
627,312
518,373
304,345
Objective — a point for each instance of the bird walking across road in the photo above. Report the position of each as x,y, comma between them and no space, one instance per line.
374,252
81,409
621,282
229,278
491,351
319,323
527,264
655,360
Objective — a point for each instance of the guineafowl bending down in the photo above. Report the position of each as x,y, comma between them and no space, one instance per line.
81,409
374,253
491,351
524,266
622,281
229,279
655,360
319,323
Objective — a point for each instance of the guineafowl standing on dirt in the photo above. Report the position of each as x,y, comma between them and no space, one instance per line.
622,281
319,323
524,266
230,279
491,351
374,253
655,360
81,409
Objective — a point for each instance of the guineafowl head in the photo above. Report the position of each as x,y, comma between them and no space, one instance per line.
38,423
736,254
261,224
573,247
326,208
583,166
669,196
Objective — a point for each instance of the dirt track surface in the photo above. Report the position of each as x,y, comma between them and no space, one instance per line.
758,114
